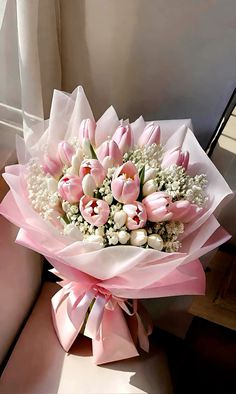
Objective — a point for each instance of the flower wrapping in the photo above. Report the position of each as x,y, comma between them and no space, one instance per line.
106,279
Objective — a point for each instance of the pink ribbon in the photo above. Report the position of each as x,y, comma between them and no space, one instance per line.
79,297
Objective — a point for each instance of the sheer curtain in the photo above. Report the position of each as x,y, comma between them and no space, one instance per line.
30,66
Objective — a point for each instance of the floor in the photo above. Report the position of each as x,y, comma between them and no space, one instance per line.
205,362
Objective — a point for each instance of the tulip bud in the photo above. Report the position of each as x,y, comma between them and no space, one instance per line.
72,231
88,185
65,152
76,161
95,238
123,138
86,148
149,187
175,157
138,237
123,237
120,218
52,166
184,211
150,135
109,154
150,173
87,131
107,163
155,241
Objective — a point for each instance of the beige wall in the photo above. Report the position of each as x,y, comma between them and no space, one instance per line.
159,58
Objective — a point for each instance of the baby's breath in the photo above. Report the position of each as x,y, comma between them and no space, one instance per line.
180,186
149,156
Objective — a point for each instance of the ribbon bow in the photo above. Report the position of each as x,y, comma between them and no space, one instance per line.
82,305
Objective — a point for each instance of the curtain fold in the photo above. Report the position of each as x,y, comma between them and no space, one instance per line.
30,66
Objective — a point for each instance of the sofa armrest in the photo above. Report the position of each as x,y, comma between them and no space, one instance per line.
20,280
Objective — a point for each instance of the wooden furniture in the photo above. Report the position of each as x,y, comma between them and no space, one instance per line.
219,303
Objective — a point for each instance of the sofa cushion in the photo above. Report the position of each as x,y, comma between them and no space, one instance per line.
39,365
20,279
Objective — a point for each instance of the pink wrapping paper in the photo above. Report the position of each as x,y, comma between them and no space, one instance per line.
121,271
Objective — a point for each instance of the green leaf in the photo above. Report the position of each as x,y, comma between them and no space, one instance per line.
65,219
93,153
141,175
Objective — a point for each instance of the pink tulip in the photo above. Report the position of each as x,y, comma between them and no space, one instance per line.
109,154
87,131
184,211
125,185
177,157
65,152
93,167
150,135
52,166
157,206
70,188
123,138
94,211
136,215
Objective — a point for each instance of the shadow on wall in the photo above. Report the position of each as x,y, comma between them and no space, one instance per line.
160,59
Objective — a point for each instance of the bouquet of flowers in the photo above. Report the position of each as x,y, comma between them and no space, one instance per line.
122,212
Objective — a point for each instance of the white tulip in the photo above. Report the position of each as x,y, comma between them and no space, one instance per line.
52,185
151,173
72,231
86,147
107,162
76,161
149,187
88,185
155,241
123,237
138,237
120,218
95,238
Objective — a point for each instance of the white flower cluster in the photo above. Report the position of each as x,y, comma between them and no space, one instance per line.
149,156
42,191
169,232
179,185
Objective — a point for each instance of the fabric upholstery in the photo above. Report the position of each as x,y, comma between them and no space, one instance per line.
20,279
39,365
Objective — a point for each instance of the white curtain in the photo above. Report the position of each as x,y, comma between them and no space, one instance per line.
30,66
